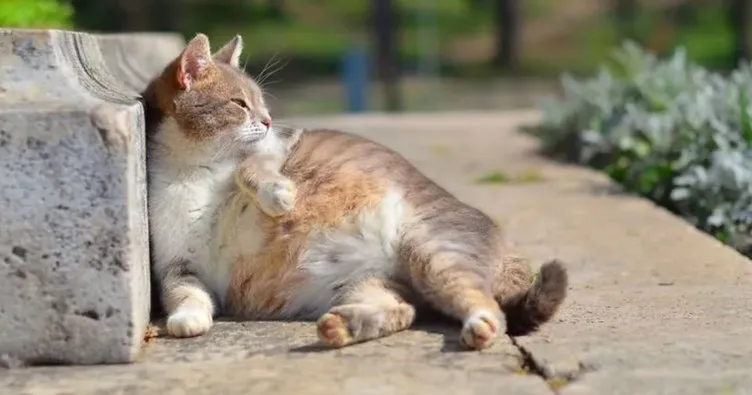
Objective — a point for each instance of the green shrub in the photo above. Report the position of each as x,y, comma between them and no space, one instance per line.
35,14
668,130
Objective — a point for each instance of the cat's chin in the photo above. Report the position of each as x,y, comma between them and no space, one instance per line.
245,143
250,135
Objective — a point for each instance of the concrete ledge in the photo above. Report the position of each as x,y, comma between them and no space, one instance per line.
135,59
74,274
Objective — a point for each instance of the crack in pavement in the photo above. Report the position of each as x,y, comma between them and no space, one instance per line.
554,379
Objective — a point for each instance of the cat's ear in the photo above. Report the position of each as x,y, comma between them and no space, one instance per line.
230,53
194,60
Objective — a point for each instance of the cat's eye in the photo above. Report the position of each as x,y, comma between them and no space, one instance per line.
242,103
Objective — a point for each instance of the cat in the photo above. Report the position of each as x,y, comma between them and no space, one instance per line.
255,221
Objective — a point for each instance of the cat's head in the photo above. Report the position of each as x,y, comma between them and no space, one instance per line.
210,98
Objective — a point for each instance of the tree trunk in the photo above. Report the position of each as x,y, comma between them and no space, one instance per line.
739,19
507,21
383,21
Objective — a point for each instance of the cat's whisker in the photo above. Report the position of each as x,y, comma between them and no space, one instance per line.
267,83
274,71
245,63
263,77
225,147
270,63
272,96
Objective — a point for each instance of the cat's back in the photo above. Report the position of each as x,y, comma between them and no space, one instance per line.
341,174
331,149
325,155
336,163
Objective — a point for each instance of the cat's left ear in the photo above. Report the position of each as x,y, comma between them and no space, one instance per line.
194,61
230,53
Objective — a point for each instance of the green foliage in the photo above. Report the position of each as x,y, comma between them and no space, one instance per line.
35,14
667,129
497,177
494,177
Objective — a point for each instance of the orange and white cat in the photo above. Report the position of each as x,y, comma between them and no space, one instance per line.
259,222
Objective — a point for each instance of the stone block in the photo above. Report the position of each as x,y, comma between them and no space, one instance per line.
74,258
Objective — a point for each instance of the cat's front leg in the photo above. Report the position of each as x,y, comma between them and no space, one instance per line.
276,197
188,303
273,192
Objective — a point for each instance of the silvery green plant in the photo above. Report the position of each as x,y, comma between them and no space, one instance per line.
668,130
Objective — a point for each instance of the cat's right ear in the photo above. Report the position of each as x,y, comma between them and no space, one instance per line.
230,52
194,60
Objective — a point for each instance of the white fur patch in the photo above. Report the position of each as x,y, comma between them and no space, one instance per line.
251,132
188,322
276,197
479,329
194,210
270,144
363,246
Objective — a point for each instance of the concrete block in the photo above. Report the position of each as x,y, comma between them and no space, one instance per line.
74,258
134,59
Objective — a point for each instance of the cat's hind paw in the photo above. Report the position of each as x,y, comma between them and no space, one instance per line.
479,330
188,322
333,331
277,197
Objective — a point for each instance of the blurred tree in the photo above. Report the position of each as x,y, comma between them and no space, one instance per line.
35,13
102,15
276,8
739,18
168,12
137,14
626,17
384,21
507,21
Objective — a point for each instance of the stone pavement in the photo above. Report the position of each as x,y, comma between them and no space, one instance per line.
655,307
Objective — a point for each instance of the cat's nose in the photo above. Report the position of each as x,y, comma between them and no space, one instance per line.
266,122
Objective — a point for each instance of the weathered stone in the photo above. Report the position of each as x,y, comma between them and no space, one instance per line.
135,58
74,280
278,358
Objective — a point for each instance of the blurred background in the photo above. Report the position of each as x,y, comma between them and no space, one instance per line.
329,56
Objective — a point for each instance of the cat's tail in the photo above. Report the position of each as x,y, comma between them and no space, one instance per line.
529,309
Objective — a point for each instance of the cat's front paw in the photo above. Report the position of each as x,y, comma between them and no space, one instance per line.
277,197
188,322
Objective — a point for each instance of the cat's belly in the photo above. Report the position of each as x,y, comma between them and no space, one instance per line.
181,226
184,221
363,246
238,237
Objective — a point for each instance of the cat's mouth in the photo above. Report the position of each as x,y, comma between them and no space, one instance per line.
252,132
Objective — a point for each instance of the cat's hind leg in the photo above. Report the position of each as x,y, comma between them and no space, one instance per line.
455,284
367,310
188,303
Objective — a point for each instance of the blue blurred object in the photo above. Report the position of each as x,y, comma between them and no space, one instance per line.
355,78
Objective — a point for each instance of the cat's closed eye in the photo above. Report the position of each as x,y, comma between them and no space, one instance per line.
242,103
